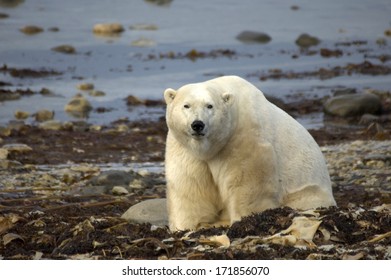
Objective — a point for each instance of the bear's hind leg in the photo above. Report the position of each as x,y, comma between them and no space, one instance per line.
309,197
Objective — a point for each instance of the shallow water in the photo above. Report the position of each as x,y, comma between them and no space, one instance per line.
119,69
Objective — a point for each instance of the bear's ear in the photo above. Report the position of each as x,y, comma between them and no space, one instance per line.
228,98
169,95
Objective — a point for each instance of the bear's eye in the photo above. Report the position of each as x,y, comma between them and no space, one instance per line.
186,106
209,106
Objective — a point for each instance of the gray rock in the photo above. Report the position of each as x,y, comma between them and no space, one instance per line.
253,37
17,148
114,178
306,41
350,105
153,211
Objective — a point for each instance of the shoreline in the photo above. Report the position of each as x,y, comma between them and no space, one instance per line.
35,200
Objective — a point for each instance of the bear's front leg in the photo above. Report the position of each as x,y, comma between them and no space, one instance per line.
192,196
189,209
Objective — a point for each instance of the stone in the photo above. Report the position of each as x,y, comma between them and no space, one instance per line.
44,115
21,115
85,86
5,131
31,30
108,28
51,125
119,190
351,105
132,100
17,148
114,178
306,41
96,93
250,37
46,92
78,106
66,49
153,211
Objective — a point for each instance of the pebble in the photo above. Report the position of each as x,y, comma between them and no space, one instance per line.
108,28
78,106
31,30
122,128
353,105
119,190
44,115
66,49
153,211
21,115
46,92
253,37
132,100
5,131
85,86
306,41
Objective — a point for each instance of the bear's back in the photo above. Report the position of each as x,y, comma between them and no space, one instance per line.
299,157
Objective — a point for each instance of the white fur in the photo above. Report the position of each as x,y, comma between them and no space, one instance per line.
252,156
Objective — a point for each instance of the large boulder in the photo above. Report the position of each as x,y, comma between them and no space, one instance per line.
351,105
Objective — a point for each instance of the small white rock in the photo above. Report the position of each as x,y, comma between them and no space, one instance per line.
119,190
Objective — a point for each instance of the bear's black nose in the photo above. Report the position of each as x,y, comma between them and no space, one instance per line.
198,126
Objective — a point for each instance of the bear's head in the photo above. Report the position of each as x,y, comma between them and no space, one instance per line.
200,117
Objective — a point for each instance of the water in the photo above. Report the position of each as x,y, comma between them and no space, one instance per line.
119,69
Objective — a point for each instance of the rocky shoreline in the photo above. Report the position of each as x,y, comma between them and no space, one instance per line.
65,186
63,193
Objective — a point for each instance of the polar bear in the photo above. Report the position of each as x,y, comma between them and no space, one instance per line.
231,153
